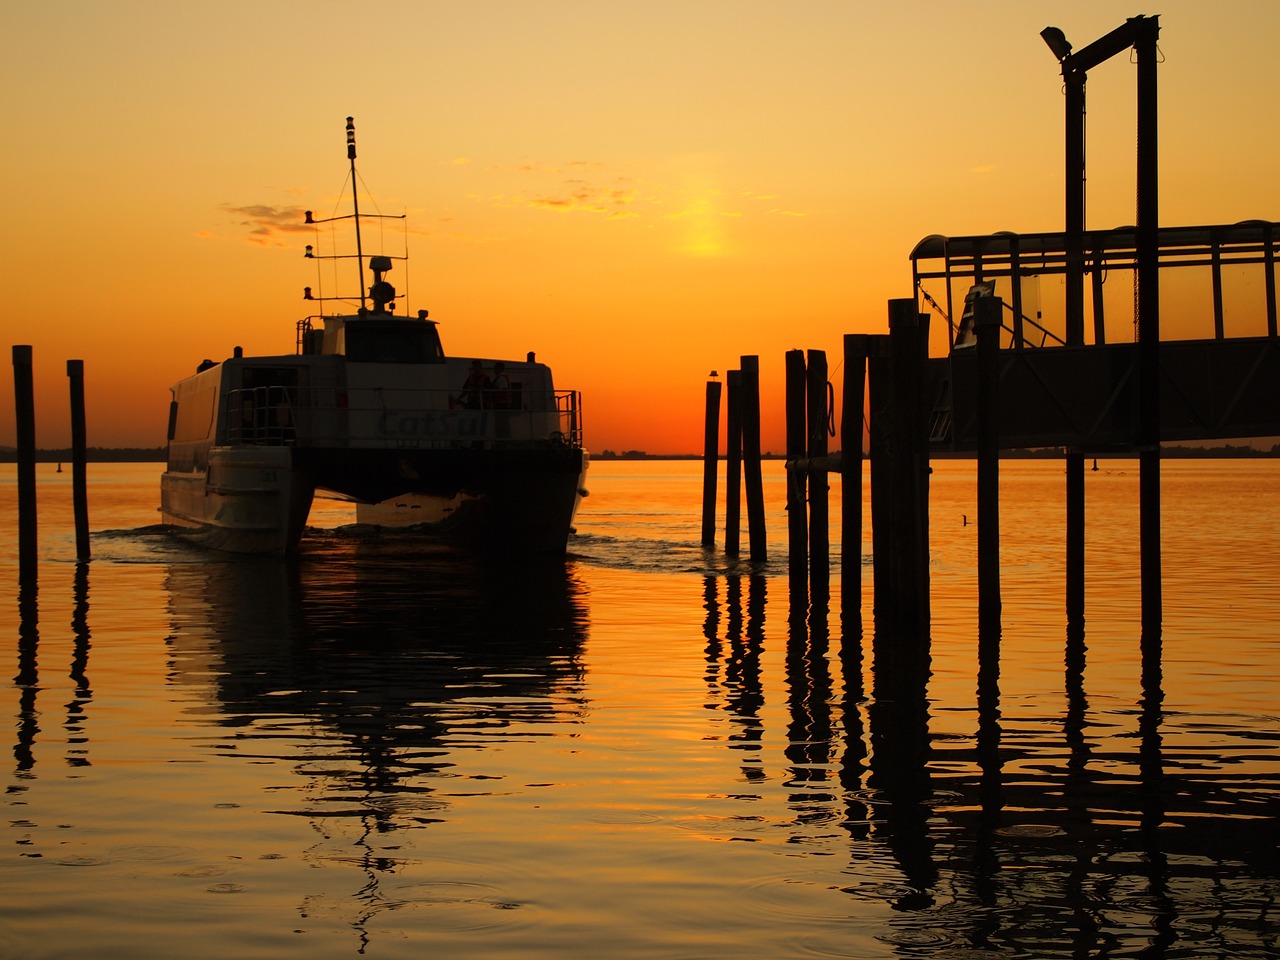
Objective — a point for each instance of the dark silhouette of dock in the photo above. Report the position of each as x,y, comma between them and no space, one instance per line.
1022,371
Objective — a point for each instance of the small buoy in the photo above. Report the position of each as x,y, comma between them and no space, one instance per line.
964,519
59,467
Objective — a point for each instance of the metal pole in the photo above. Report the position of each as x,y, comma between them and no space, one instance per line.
1075,217
1149,329
355,202
986,319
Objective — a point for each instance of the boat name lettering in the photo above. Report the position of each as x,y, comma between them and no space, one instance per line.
452,423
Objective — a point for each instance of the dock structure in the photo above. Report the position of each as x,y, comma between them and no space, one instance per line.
1010,380
1021,369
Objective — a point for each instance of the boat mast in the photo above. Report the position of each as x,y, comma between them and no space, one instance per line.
355,203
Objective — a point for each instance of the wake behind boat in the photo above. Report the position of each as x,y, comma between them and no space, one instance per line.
370,409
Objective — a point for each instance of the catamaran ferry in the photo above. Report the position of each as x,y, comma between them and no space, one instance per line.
370,409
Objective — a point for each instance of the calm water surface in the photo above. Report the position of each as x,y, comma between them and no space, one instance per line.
384,749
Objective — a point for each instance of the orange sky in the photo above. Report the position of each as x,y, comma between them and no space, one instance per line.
641,193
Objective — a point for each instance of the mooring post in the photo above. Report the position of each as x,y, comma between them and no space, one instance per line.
1074,303
900,481
710,463
986,318
1148,244
910,358
733,463
79,471
24,410
753,480
819,512
797,479
883,542
856,349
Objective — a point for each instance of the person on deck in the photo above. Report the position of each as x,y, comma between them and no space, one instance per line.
473,388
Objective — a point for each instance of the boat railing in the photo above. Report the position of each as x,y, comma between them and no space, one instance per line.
401,418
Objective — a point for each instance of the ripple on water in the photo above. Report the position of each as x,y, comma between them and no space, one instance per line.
792,898
457,906
930,939
202,872
1030,831
150,851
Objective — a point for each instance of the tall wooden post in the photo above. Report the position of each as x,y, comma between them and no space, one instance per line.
710,463
797,480
819,513
733,464
752,476
986,317
911,353
900,523
24,410
856,349
79,472
883,534
1075,224
1148,330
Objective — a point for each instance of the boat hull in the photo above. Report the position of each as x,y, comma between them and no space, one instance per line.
487,501
255,499
246,500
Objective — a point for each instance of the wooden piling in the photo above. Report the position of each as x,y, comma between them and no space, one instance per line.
882,538
986,315
909,344
900,479
753,479
25,416
819,513
797,480
1075,539
1148,244
79,470
733,463
856,349
710,463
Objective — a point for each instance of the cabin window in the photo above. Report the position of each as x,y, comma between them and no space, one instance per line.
395,341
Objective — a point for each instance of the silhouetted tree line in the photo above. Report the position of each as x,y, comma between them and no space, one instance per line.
93,455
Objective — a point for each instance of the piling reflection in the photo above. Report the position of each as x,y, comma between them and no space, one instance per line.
900,776
27,679
809,734
82,694
734,670
1076,835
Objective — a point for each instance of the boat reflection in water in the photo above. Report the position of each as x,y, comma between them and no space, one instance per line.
372,664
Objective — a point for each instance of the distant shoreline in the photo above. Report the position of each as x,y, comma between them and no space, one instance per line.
159,455
93,455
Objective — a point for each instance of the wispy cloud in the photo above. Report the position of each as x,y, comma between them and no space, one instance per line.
575,186
269,226
580,195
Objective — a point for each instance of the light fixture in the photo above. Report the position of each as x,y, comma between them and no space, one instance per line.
1057,42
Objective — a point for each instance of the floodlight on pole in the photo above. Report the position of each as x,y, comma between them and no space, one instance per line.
1057,42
